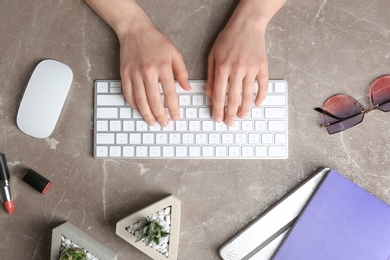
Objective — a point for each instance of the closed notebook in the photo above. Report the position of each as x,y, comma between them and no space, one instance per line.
341,221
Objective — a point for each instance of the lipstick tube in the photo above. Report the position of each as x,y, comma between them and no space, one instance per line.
5,190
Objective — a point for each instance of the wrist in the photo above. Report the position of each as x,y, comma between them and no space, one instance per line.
131,21
257,13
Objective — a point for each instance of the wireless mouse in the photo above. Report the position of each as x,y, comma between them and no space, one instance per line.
44,98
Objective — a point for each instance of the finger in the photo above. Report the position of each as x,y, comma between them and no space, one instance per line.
128,93
169,89
219,94
127,88
180,70
142,100
262,81
210,74
154,99
247,96
234,99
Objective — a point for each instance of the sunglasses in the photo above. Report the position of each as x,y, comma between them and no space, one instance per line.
341,111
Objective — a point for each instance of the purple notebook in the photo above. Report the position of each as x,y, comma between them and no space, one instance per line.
341,221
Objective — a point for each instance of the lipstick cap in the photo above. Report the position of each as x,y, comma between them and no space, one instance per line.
37,181
4,173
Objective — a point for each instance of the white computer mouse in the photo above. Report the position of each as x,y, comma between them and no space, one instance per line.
44,98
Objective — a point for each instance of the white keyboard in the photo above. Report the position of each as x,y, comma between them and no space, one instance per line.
121,133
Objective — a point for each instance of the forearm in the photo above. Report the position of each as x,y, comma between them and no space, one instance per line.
124,16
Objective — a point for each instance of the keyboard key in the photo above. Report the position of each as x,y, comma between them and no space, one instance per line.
260,126
197,100
240,138
106,112
235,127
141,126
155,128
254,138
137,114
181,151
110,100
125,112
188,138
181,126
277,126
101,151
207,126
274,100
184,100
161,138
266,138
115,125
121,138
277,151
275,112
227,138
214,138
280,87
102,87
208,151
141,151
169,127
174,138
220,127
191,112
135,138
115,90
204,112
168,151
194,151
154,151
128,126
107,138
260,151
234,151
247,151
280,138
128,151
201,138
148,138
247,126
101,126
221,151
115,151
257,112
194,126
115,84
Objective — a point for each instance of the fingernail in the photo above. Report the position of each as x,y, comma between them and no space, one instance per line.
175,117
242,115
188,84
229,122
218,118
164,123
151,122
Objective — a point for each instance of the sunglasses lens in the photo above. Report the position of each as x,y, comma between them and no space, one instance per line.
341,112
380,93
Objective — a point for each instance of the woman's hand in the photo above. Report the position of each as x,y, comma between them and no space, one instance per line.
147,59
238,58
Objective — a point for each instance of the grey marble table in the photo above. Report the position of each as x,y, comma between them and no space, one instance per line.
320,47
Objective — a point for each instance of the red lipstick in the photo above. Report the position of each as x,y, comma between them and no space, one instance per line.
5,191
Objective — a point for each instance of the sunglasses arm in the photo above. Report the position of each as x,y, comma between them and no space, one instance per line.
320,110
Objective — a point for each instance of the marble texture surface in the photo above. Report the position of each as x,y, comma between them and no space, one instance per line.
321,47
